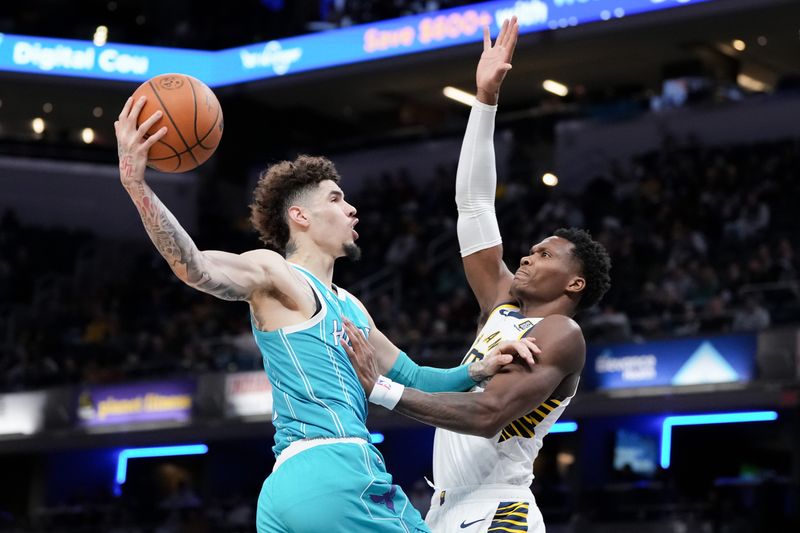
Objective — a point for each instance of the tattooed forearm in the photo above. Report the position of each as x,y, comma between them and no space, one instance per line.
177,247
457,411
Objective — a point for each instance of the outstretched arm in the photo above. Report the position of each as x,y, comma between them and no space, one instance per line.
221,274
476,177
379,356
512,393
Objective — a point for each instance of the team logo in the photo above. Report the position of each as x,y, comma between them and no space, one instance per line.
387,498
509,312
524,326
170,82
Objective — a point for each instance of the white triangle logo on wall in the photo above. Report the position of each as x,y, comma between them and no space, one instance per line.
706,365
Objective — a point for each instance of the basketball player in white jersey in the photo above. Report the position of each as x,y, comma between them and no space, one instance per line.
486,442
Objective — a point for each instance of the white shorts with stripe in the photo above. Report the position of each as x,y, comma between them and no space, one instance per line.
484,508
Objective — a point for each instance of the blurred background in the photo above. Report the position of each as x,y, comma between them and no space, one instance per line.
668,128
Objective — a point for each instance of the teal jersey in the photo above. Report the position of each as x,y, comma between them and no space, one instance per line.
315,391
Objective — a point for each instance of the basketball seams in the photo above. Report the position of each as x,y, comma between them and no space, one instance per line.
194,109
213,124
176,155
169,116
190,121
210,131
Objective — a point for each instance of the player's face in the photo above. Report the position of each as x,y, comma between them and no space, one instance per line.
547,271
334,220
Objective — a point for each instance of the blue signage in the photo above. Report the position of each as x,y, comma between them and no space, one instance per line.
123,62
366,42
693,361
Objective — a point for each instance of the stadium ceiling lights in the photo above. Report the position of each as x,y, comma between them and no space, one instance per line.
552,86
458,95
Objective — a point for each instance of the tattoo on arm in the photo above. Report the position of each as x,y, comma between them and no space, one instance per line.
455,411
126,167
177,247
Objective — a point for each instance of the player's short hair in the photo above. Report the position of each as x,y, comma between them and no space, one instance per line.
278,187
595,264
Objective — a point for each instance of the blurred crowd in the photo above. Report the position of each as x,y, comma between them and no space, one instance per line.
700,237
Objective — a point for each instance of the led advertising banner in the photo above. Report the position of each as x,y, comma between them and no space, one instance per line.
693,361
365,42
136,403
123,62
248,394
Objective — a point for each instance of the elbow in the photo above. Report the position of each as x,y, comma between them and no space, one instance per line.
487,431
488,421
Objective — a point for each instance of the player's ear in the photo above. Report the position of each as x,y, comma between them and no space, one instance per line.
298,215
576,285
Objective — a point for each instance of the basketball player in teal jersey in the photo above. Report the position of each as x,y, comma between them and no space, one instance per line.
327,476
486,443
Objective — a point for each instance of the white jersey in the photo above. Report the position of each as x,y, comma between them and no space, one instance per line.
507,458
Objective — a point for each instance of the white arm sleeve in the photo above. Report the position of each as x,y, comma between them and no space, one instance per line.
476,181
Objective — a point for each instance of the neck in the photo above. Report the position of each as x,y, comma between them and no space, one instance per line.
321,265
532,308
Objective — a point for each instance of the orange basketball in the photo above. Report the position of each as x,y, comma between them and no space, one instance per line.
192,115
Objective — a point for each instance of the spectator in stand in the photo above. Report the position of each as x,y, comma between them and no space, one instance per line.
751,317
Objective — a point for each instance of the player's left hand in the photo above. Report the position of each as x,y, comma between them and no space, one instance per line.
362,356
505,353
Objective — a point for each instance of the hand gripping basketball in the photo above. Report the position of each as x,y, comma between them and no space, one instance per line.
192,115
132,146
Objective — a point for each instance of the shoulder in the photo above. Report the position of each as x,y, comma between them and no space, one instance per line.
561,340
561,323
359,305
355,300
264,256
272,263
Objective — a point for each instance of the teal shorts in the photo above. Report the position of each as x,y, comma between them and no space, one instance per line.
335,487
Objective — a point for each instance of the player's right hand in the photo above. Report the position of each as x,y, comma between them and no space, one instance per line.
132,146
361,354
495,60
524,349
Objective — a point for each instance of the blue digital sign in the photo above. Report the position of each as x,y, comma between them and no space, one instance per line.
366,42
692,361
123,62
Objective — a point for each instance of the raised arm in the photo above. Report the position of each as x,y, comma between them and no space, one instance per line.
476,177
221,274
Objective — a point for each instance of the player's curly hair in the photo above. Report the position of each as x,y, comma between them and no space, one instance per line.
279,186
594,261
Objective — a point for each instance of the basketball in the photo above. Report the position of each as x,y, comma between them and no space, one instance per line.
192,115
